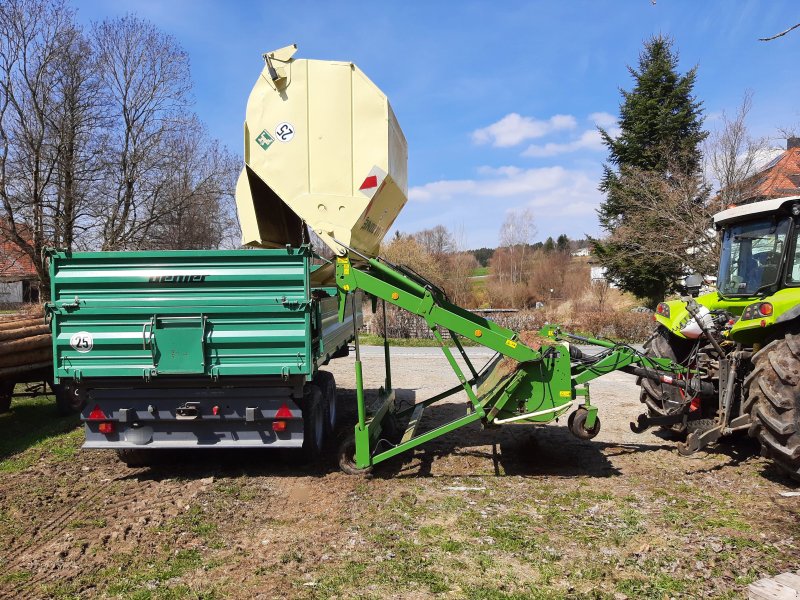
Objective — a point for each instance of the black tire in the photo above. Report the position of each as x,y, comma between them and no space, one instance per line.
577,425
347,453
662,399
326,382
68,398
135,458
314,424
772,392
6,392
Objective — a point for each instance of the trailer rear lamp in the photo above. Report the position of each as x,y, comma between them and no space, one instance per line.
284,413
97,414
765,308
215,411
279,426
663,309
106,428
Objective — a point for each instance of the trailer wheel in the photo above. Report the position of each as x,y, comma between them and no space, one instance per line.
6,392
347,457
135,458
68,398
327,384
773,391
577,425
314,424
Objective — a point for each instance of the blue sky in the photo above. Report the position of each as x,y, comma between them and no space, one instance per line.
498,100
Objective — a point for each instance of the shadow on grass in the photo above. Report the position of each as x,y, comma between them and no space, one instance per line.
30,422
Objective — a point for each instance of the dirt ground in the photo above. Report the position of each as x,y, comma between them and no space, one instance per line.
516,512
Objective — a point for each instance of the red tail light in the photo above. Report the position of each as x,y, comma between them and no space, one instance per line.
284,412
106,428
279,426
97,414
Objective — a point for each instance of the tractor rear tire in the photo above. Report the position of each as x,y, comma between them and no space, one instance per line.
660,399
772,390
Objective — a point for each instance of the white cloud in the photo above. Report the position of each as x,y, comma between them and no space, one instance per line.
539,186
563,201
514,129
603,119
589,140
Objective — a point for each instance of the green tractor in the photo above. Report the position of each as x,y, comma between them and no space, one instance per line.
744,338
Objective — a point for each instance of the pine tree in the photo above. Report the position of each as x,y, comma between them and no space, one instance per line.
661,132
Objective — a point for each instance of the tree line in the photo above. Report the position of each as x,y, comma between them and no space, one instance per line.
99,146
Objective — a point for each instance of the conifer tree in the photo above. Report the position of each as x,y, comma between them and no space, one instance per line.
661,133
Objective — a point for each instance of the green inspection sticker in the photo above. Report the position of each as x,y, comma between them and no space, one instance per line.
264,139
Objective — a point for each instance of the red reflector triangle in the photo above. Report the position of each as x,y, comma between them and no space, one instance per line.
283,412
97,414
369,182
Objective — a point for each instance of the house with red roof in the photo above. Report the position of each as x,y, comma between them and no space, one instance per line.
18,279
780,177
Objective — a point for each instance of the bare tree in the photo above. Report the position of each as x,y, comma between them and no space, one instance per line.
197,192
35,37
516,234
437,241
733,155
78,124
780,34
669,220
146,75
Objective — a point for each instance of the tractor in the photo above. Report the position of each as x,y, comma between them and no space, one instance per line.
744,338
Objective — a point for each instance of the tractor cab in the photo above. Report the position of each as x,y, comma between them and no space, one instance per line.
759,248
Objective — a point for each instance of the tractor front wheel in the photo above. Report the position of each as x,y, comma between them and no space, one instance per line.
772,390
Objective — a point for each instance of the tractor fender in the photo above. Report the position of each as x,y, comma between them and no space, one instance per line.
789,315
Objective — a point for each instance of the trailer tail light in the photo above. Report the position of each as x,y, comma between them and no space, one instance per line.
106,428
279,426
284,412
97,414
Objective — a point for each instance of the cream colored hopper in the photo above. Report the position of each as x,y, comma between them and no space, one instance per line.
320,138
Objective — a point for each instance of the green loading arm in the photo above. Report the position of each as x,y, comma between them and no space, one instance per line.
543,386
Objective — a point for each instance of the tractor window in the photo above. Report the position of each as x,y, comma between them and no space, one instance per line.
751,256
793,273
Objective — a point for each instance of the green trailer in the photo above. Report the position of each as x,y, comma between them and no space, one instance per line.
191,349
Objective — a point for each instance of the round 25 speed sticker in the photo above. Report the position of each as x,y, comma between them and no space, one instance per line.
284,132
82,341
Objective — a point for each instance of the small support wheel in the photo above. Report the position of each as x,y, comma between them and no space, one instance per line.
577,425
347,458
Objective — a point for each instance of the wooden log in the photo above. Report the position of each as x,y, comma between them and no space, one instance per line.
25,344
10,372
23,332
26,358
19,324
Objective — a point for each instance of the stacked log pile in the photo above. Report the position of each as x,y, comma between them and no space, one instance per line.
25,342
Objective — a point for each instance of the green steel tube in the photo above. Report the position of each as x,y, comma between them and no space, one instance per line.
386,350
362,409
